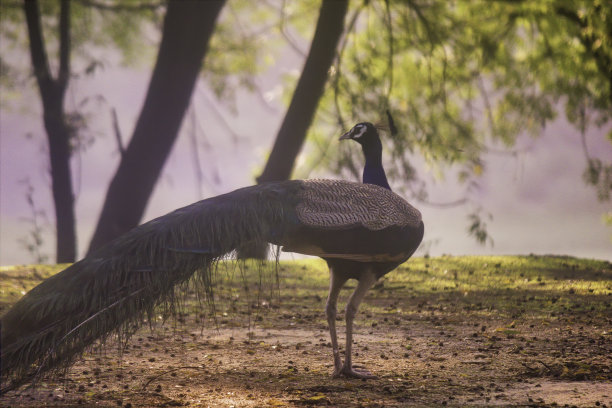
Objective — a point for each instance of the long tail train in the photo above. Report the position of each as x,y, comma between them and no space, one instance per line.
120,284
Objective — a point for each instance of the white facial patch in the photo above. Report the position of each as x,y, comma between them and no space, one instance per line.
362,130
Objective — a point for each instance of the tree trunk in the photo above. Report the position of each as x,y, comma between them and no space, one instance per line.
52,93
188,26
304,102
59,135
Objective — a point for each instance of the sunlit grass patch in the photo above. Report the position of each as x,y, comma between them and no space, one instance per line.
506,272
512,285
15,281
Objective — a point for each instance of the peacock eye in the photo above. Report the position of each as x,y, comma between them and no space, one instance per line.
359,131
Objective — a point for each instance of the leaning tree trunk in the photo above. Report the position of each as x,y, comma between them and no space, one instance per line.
52,92
304,102
188,26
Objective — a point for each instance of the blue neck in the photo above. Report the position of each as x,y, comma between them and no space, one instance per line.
373,172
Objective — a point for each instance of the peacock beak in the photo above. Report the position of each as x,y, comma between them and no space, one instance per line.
347,135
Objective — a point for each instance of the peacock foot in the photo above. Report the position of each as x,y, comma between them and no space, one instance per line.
350,372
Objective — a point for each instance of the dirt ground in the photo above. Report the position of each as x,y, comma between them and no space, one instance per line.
437,347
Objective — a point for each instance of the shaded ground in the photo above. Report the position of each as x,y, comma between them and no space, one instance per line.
454,331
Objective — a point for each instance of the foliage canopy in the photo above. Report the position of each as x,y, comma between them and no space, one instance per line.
459,76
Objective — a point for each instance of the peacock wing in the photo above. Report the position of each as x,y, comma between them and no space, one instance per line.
361,222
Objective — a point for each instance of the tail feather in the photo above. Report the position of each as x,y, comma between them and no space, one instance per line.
115,288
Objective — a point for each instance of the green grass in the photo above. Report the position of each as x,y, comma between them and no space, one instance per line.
511,285
15,281
533,283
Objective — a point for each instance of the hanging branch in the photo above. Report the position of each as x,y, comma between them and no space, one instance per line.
285,34
124,6
197,163
389,23
338,73
117,131
236,138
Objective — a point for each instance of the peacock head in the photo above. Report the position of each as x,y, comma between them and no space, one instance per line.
363,133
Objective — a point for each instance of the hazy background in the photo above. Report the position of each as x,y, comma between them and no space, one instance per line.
537,197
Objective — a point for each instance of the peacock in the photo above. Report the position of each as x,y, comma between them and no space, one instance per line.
363,231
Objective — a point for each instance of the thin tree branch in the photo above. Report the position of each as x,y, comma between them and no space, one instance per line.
308,91
391,52
324,149
487,102
282,27
421,196
262,98
117,130
338,72
433,39
197,164
123,6
215,110
583,121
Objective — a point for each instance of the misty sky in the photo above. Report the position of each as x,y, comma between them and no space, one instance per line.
537,198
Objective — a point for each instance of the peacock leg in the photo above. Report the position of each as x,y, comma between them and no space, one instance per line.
366,281
336,282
